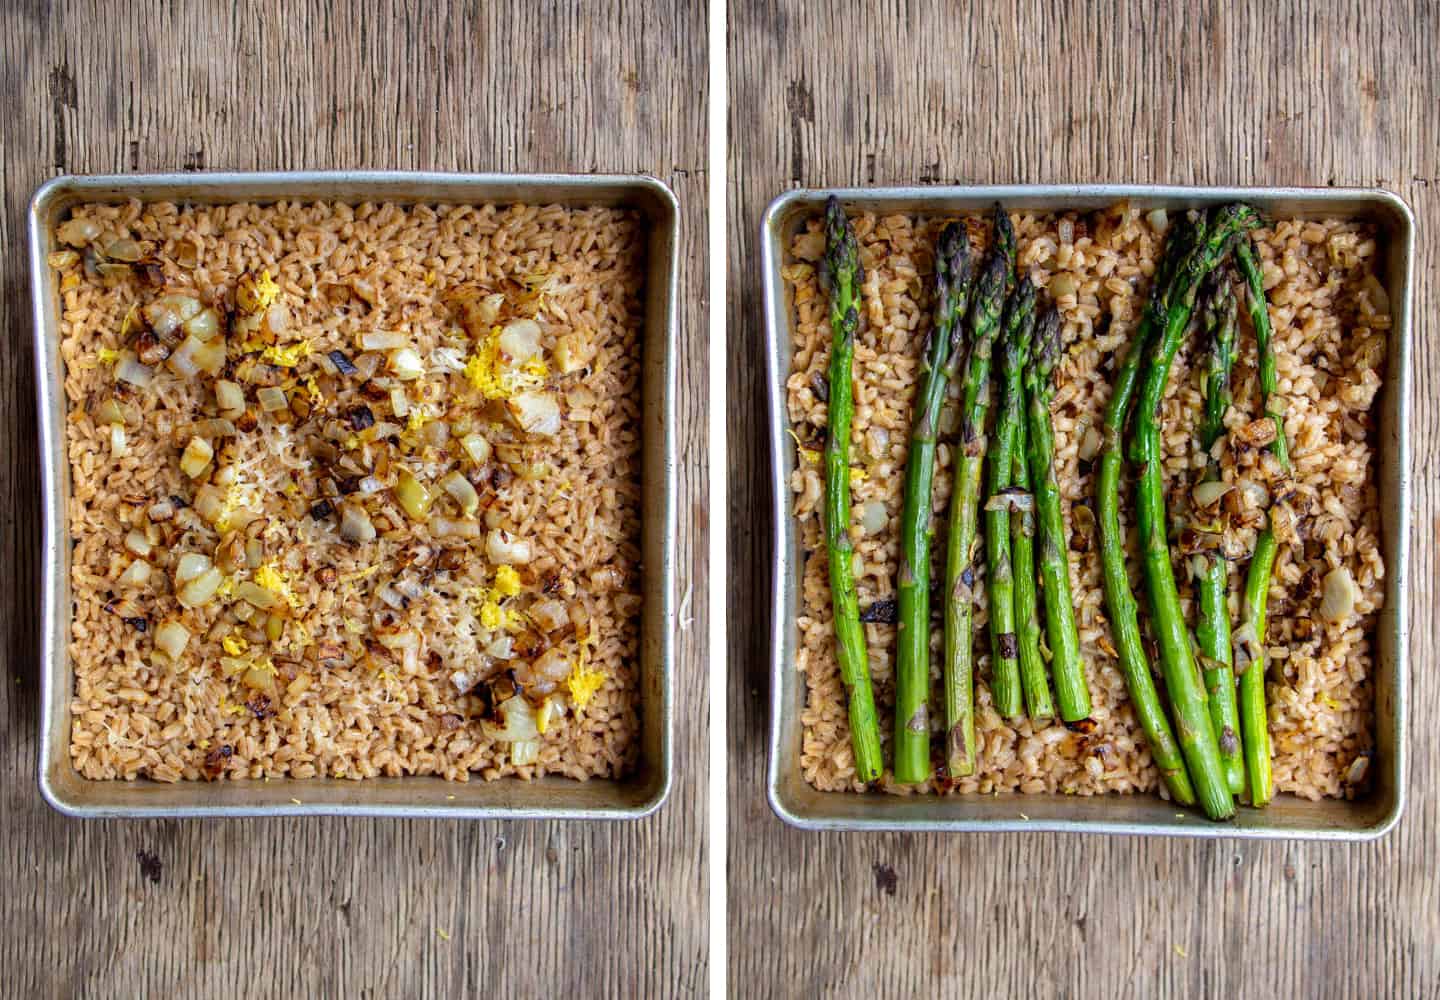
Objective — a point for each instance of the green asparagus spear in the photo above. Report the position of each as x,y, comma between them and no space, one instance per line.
1119,599
1018,326
1254,724
1177,659
953,272
1071,690
1260,320
983,322
840,272
1021,505
1212,627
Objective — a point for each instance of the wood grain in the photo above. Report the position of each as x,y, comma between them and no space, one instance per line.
314,907
1026,92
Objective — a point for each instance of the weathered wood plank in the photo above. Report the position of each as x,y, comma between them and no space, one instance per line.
1242,93
323,907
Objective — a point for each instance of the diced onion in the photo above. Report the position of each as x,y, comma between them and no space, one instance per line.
1338,594
449,527
1210,492
137,574
77,232
398,640
399,403
273,399
504,548
201,589
196,457
412,495
550,614
124,249
1159,220
570,355
257,595
137,543
230,666
552,665
1011,500
874,517
182,360
502,647
229,396
407,364
521,339
171,639
476,447
519,721
524,752
210,503
436,433
392,597
369,485
355,524
204,325
190,566
259,680
167,313
118,445
132,371
535,412
459,487
383,340
109,412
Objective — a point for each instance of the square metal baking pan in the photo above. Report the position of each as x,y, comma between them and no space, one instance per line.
427,796
798,804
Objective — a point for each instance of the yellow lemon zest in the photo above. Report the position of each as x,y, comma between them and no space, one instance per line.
495,380
129,318
808,454
418,418
266,291
507,581
313,388
286,357
234,644
277,583
583,682
491,616
108,355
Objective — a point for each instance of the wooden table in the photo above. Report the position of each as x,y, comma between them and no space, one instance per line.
1028,92
312,907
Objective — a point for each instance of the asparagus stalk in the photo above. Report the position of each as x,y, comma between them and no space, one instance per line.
1260,320
1254,724
1071,691
1019,326
953,273
1033,680
840,272
1212,627
1119,599
983,322
1177,659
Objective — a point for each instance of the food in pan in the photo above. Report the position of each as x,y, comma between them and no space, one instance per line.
355,489
1146,434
